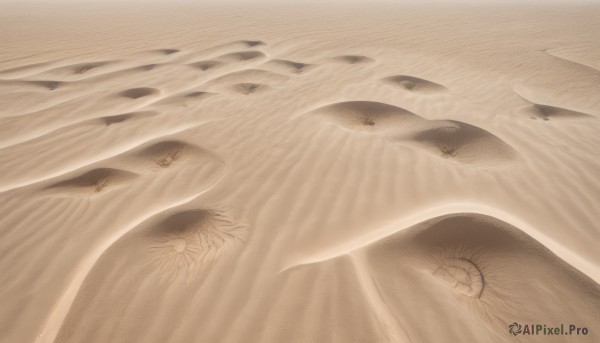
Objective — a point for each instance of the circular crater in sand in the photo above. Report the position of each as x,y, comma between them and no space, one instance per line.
462,275
178,244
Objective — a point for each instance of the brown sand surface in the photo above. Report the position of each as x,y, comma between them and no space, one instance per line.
192,173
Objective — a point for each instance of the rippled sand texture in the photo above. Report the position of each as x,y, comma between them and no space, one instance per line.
204,174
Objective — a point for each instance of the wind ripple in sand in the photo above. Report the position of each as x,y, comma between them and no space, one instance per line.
56,319
213,228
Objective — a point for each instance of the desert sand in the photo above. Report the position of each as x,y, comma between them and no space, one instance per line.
190,173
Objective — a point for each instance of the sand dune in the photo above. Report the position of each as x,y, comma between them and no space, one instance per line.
171,254
463,143
467,263
319,174
415,84
367,116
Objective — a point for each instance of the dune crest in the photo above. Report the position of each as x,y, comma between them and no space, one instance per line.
340,173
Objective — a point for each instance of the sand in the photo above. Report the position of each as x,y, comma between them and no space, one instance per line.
188,173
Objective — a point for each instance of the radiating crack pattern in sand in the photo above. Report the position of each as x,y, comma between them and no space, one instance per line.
190,240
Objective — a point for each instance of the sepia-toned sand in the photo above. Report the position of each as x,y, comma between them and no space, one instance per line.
187,173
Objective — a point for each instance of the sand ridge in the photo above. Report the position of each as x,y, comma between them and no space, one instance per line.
297,174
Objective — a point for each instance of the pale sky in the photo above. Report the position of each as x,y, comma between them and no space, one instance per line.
301,2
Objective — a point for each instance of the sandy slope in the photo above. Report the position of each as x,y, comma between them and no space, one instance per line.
298,175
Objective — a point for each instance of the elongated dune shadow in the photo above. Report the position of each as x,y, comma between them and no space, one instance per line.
538,111
546,113
184,99
252,43
206,64
33,85
353,59
415,84
290,66
167,51
92,183
121,118
471,273
137,93
243,56
249,75
173,251
79,70
27,69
